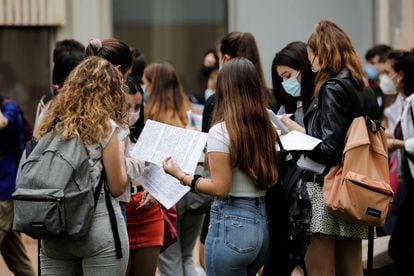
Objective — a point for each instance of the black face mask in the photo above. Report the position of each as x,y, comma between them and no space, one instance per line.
206,71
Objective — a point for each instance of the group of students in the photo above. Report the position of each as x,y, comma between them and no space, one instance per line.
304,86
104,98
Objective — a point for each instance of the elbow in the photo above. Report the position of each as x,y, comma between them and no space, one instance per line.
118,188
222,193
221,190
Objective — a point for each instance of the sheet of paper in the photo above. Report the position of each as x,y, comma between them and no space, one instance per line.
163,187
295,140
196,121
159,140
288,114
276,120
310,165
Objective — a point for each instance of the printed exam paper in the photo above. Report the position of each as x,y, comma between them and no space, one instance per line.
163,187
159,140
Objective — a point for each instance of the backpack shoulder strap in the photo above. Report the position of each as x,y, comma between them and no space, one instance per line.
112,217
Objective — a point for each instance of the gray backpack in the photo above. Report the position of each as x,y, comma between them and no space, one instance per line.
54,192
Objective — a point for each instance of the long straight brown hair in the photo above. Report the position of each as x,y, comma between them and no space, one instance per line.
167,102
243,45
335,52
241,104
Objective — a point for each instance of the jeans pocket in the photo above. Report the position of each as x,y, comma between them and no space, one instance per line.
241,234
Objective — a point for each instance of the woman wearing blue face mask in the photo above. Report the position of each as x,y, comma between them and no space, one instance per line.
293,83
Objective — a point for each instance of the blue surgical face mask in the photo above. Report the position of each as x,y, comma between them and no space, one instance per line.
292,86
371,71
207,93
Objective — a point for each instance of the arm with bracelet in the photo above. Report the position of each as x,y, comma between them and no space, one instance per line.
221,175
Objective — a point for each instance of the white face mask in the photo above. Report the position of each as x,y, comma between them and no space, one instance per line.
133,117
146,93
387,85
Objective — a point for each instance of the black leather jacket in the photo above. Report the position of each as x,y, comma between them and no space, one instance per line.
331,113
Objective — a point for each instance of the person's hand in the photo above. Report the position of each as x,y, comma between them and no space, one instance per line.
3,121
171,167
291,125
297,271
146,201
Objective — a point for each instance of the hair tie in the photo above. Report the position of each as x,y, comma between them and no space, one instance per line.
96,44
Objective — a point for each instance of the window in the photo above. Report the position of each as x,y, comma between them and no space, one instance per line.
24,65
177,31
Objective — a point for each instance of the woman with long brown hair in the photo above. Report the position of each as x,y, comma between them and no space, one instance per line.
167,102
335,244
91,106
241,153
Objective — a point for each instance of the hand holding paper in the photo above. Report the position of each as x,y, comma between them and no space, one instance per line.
158,141
171,167
163,187
291,124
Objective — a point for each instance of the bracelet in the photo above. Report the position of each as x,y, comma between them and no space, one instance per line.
194,183
182,179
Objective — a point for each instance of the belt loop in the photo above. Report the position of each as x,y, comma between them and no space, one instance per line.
228,199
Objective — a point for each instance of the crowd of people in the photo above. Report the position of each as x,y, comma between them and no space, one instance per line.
103,94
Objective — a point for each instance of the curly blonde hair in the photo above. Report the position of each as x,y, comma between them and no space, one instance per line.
92,94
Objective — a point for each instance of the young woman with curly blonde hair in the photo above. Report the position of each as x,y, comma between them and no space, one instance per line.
90,107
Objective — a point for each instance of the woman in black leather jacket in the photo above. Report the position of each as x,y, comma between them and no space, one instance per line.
339,97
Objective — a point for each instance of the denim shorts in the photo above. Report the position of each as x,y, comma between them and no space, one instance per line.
238,239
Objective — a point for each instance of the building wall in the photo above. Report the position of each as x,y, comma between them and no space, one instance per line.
86,20
275,23
178,31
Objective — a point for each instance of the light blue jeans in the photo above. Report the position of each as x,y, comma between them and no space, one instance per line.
238,239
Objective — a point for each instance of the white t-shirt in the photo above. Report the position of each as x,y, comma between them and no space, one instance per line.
241,184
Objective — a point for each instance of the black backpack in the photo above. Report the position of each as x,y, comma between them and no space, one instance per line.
289,211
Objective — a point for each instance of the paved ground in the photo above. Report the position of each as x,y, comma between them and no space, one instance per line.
382,263
31,246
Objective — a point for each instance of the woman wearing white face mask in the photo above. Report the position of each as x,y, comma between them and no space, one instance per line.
293,83
145,223
402,242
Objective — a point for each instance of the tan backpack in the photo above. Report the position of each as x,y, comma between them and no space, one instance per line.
358,189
